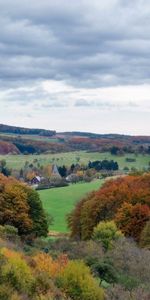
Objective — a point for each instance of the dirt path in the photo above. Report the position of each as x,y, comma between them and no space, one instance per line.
57,234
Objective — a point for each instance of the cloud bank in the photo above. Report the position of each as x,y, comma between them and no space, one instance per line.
74,55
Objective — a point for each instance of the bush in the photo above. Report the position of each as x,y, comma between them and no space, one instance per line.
15,271
77,282
105,270
5,292
145,236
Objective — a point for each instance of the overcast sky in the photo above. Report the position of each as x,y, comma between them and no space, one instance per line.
79,65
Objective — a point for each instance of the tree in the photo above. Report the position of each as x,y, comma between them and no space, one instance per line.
62,171
21,207
106,232
104,204
14,207
114,150
3,168
48,171
36,213
131,219
30,175
106,271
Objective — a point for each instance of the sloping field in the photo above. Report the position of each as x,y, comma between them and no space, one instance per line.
60,201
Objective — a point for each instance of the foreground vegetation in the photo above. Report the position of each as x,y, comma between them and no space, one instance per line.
65,269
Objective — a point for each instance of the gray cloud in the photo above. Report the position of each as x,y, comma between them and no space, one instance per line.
82,102
102,104
87,44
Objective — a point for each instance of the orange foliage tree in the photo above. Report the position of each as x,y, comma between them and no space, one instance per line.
105,203
44,263
21,207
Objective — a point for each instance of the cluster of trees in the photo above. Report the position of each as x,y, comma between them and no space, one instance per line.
22,130
125,200
29,146
15,144
94,144
104,165
21,207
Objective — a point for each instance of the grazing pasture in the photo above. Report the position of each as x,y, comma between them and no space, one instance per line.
81,157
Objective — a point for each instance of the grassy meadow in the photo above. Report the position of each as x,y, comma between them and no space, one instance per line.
18,161
60,201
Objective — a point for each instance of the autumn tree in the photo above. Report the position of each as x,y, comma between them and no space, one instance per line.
106,232
21,207
104,204
131,219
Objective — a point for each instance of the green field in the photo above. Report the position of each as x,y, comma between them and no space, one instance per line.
18,161
60,201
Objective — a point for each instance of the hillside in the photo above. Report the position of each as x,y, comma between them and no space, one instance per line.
8,148
36,141
21,130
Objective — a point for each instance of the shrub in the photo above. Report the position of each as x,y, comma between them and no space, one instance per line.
5,291
15,271
45,264
145,236
105,270
78,283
